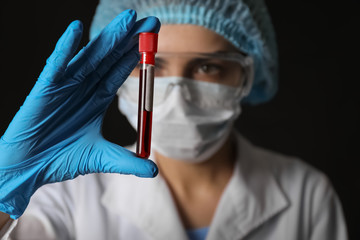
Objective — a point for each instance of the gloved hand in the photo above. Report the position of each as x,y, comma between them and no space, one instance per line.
56,134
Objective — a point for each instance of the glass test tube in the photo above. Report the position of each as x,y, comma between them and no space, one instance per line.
147,49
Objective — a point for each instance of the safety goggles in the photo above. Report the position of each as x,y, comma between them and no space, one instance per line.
227,68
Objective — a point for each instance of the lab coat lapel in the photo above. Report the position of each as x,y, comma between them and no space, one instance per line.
147,203
251,198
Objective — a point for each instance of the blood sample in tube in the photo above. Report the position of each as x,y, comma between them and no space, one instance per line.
147,49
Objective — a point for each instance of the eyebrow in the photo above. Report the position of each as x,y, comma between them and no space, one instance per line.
163,61
160,61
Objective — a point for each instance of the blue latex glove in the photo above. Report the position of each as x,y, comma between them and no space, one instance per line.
56,135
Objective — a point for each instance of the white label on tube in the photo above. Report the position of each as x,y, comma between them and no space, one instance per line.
149,88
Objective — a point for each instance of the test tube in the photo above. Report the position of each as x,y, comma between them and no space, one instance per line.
147,49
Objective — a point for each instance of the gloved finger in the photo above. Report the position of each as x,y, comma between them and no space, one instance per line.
148,24
118,73
64,51
113,158
88,59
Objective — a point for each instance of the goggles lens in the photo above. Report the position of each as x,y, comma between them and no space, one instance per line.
227,68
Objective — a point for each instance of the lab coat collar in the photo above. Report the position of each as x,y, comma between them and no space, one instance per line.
251,198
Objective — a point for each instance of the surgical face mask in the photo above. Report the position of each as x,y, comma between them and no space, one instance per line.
191,119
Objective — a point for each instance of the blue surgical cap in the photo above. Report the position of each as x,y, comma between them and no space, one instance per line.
244,23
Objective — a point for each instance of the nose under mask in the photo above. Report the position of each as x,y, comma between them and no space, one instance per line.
191,119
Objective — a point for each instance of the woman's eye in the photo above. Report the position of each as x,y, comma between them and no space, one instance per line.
209,69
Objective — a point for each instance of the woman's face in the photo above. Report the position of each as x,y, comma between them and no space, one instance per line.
178,48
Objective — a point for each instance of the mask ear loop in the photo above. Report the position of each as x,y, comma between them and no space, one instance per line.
248,76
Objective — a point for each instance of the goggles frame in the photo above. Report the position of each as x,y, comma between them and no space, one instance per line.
245,61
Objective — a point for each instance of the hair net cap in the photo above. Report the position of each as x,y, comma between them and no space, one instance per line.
244,23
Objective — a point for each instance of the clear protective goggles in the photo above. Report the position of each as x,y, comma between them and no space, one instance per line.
228,68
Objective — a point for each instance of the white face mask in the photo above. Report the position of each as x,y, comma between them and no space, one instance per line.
191,119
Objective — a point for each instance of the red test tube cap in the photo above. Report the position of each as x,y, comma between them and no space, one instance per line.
148,42
148,47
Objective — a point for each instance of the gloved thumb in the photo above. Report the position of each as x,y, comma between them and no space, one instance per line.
112,158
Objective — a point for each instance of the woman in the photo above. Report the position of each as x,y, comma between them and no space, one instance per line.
213,183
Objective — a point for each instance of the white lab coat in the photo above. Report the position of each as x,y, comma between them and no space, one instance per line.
269,196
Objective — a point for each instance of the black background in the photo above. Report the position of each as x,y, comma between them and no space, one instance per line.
315,114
